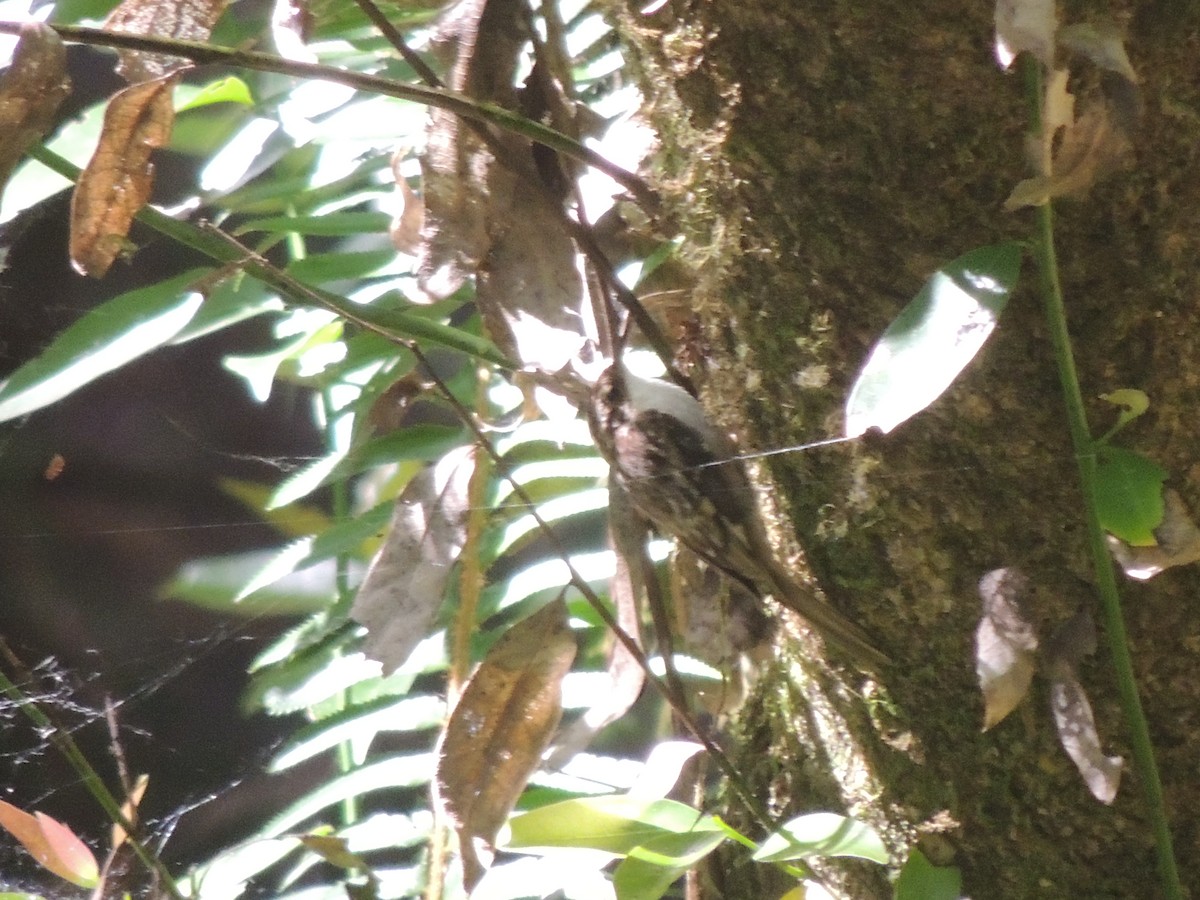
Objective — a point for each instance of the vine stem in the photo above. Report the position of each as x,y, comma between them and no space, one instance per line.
1106,582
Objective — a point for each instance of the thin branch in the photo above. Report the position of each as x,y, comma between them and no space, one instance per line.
459,104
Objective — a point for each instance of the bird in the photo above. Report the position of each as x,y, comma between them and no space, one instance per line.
683,475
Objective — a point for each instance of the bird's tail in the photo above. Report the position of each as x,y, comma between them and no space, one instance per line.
834,627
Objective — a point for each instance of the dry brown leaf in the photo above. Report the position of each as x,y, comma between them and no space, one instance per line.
31,91
496,734
499,218
183,20
118,179
1091,148
1178,542
1005,644
405,230
403,590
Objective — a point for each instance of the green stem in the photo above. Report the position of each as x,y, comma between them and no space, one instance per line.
1106,582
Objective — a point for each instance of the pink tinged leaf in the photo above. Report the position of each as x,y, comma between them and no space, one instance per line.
403,590
1005,644
52,844
500,727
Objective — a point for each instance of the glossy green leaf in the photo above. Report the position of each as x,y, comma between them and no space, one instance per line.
822,834
922,880
614,823
1129,497
932,340
104,339
230,89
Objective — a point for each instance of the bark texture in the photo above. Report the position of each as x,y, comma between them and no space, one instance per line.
822,160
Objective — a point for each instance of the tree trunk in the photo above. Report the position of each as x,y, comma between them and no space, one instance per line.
822,160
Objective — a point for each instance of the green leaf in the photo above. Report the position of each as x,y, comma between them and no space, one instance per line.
1132,403
104,339
822,834
613,823
230,89
217,583
932,340
322,268
338,224
922,880
653,867
1129,497
362,723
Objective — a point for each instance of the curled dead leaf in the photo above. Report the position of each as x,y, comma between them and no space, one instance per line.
31,91
1178,542
405,230
625,676
1077,731
1102,44
1005,643
118,179
1092,147
500,727
403,590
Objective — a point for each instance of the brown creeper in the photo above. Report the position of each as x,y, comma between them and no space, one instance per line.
682,475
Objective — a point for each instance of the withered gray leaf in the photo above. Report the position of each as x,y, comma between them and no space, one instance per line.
403,590
1005,643
1077,732
625,676
499,728
1071,642
31,91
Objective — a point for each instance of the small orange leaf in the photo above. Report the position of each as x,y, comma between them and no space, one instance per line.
117,181
52,844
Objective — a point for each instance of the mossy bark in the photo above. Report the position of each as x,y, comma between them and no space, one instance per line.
822,160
